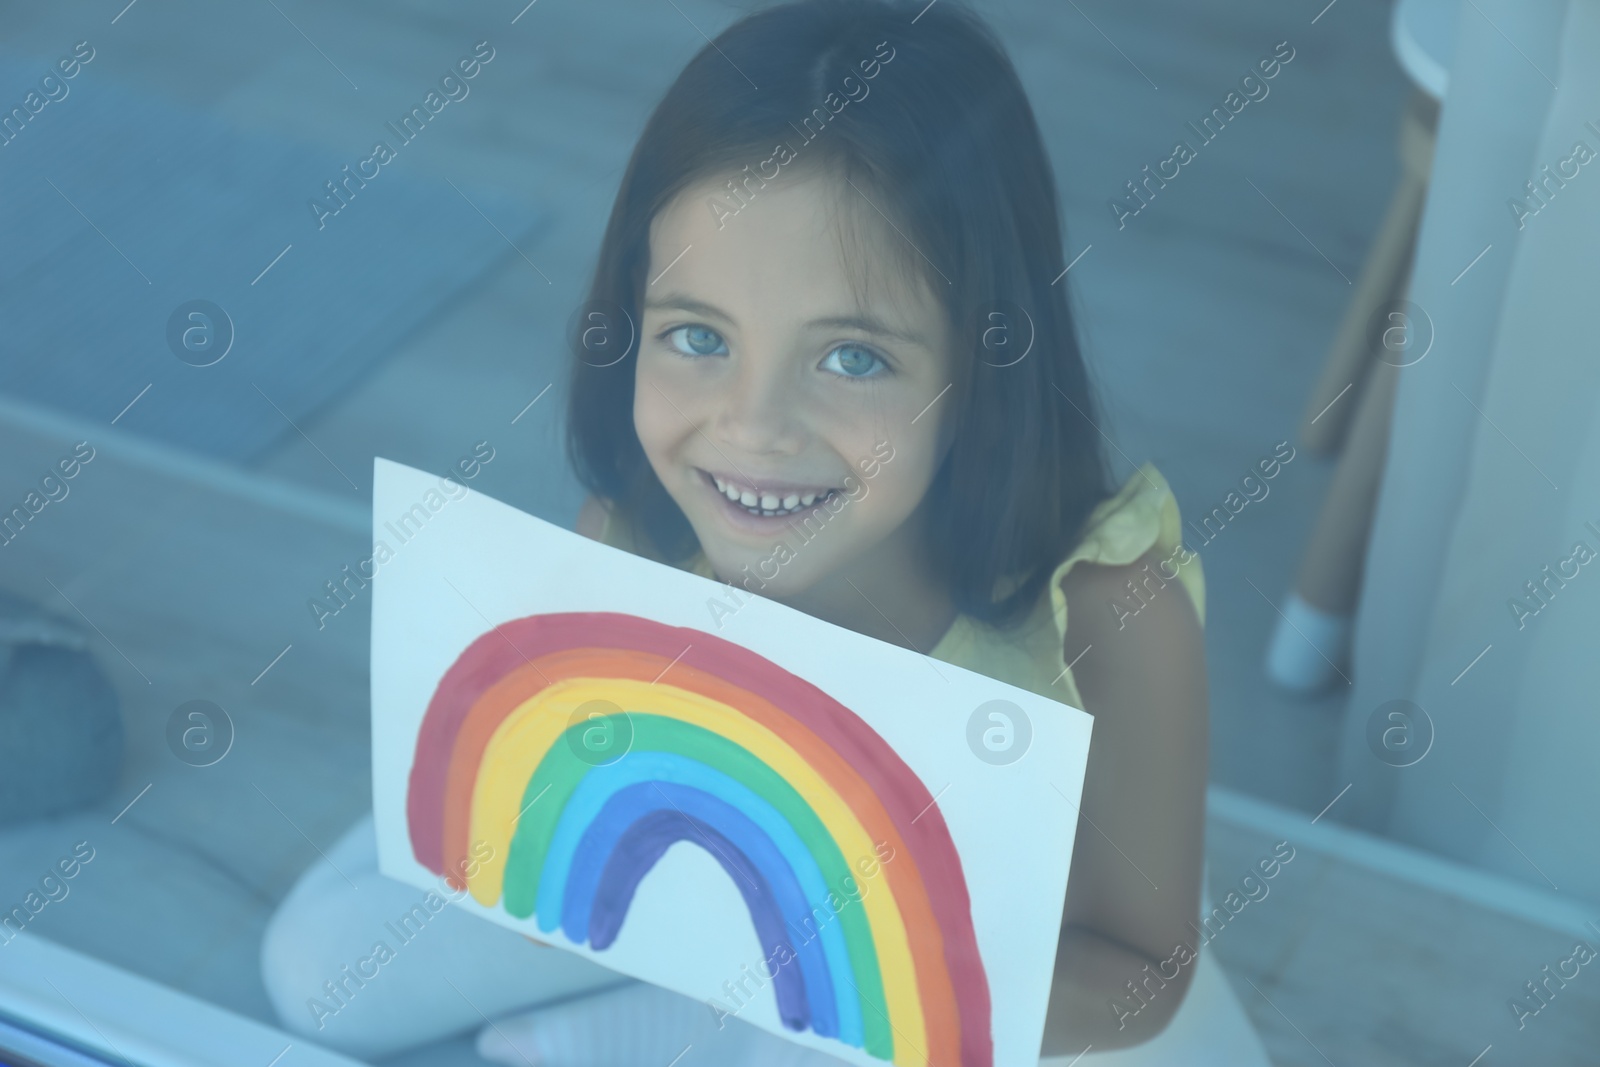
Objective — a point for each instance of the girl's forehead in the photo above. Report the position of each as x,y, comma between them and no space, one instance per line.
804,242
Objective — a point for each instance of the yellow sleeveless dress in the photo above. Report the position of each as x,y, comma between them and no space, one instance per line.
1211,1027
1142,515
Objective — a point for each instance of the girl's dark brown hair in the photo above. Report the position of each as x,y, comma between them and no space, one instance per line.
945,142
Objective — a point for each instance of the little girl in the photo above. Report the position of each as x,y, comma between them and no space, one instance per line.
827,356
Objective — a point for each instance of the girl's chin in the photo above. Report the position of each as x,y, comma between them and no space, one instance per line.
761,572
744,568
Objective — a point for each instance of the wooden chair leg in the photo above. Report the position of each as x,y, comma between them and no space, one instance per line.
1330,571
1382,278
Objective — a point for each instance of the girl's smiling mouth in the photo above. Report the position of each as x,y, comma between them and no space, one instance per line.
765,507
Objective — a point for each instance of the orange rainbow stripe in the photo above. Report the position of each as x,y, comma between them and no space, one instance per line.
795,795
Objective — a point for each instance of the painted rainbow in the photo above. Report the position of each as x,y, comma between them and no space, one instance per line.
784,786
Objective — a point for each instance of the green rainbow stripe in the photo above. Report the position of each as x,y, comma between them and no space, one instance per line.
813,816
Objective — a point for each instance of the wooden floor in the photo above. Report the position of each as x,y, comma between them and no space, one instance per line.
1205,319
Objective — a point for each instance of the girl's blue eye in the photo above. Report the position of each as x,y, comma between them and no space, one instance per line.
854,361
702,341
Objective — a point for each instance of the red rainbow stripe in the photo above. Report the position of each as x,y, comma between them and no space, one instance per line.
505,667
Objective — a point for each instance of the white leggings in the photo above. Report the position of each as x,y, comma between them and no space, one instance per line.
440,973
451,971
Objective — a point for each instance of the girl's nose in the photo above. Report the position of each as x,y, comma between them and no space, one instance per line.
759,408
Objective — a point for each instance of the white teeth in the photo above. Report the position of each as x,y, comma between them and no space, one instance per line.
767,503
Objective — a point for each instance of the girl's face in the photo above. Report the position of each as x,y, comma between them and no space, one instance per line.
764,373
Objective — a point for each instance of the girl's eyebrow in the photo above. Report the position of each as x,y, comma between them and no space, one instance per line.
864,323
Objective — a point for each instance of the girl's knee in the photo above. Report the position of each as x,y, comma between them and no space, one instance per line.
320,928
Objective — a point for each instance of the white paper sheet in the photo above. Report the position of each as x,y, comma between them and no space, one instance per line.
463,563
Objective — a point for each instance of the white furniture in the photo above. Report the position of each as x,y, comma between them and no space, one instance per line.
1423,35
1491,473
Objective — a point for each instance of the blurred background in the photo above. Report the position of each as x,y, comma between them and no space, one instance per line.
1383,268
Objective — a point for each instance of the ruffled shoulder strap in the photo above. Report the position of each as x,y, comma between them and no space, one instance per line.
1142,515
